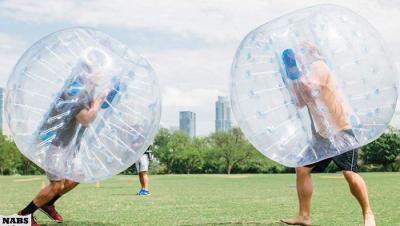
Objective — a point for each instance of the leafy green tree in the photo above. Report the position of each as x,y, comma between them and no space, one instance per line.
258,163
385,150
12,161
231,147
5,156
162,149
191,157
167,146
177,145
10,156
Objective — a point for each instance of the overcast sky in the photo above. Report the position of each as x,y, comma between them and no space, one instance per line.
190,44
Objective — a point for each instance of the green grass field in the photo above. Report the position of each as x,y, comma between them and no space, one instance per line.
208,200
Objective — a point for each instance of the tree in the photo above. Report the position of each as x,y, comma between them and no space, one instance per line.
162,150
6,160
191,157
167,146
231,147
177,145
385,150
258,163
12,161
9,156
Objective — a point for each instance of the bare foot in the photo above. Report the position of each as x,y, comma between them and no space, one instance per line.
369,220
299,220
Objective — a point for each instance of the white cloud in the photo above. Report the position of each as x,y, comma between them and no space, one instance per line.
190,77
189,99
11,47
201,101
191,80
222,20
218,22
189,69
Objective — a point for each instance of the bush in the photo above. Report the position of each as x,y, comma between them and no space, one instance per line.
384,151
157,168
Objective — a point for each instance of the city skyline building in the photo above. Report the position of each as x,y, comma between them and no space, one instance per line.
223,120
187,122
1,108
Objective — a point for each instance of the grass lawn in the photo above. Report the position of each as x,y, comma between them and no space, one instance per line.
208,200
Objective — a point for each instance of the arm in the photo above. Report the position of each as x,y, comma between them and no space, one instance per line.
309,87
293,88
86,115
304,88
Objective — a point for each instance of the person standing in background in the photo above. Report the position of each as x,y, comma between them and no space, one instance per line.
142,167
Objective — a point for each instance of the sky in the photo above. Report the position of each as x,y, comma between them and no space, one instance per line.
190,44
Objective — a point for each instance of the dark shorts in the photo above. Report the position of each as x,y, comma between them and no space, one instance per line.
345,162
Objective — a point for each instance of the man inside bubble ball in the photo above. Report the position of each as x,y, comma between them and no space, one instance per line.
78,107
311,83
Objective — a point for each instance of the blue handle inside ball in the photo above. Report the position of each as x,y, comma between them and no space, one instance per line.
43,136
75,88
289,60
111,95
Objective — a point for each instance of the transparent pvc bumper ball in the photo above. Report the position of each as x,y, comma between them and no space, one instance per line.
82,105
313,84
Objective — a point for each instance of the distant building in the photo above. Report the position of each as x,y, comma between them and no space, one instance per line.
1,108
187,122
222,114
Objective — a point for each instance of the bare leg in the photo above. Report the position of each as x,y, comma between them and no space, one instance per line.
68,186
48,193
359,190
304,193
144,180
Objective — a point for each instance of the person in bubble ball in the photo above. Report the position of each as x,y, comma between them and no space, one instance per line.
319,88
77,99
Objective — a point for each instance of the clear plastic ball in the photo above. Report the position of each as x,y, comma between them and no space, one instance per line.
82,105
313,84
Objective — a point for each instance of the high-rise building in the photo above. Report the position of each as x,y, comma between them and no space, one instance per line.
187,122
222,114
1,109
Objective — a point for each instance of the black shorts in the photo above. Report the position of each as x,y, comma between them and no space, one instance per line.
346,162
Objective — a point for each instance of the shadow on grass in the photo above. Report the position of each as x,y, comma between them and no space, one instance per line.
248,223
110,187
122,194
80,223
237,223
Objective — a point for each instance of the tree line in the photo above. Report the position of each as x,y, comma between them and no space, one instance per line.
220,152
230,152
13,162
